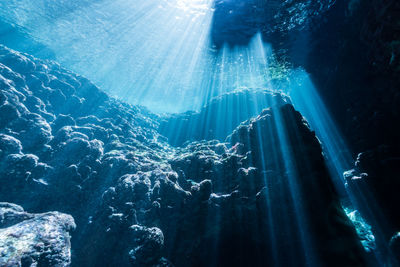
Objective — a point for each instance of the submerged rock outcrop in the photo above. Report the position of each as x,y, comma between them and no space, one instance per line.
34,239
261,197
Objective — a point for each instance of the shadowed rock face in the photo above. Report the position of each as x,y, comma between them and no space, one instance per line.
261,186
351,51
376,172
235,22
353,59
34,239
262,197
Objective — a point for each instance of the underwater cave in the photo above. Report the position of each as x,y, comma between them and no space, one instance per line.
200,133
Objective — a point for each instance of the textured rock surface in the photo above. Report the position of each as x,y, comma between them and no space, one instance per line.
58,129
236,22
374,182
352,55
252,200
64,145
251,182
34,239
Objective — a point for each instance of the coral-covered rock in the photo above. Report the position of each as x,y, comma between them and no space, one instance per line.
150,244
11,214
34,239
9,145
249,199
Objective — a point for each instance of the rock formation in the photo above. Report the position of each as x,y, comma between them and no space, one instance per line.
261,197
34,239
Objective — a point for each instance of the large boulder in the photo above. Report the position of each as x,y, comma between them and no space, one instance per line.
34,239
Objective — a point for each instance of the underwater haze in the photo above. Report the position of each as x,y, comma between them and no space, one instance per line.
169,55
199,133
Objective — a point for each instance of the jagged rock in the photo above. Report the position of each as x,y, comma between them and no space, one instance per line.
202,191
151,242
373,171
69,165
33,130
34,239
209,203
61,121
9,145
11,214
250,190
133,187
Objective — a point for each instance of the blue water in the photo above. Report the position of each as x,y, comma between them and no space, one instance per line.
157,53
162,54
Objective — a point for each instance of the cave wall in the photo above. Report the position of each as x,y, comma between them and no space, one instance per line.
352,55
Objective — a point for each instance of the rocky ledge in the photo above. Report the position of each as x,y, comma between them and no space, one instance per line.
260,195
